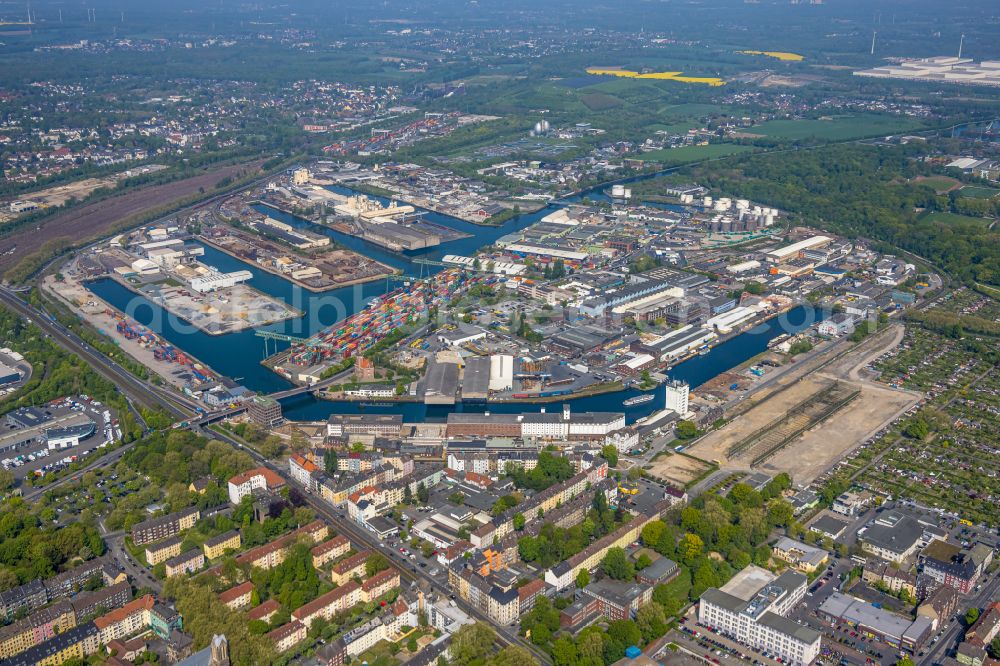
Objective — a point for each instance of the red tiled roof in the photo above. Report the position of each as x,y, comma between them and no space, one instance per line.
271,478
322,602
144,602
307,465
257,553
529,589
379,579
331,544
234,593
285,630
262,611
351,562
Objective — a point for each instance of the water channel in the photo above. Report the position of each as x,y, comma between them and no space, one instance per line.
238,355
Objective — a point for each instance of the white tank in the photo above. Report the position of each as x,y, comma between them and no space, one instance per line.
618,191
742,204
768,220
708,202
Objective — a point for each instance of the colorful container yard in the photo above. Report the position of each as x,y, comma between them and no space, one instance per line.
305,361
162,351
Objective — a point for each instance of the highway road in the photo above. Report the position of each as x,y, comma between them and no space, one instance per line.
138,391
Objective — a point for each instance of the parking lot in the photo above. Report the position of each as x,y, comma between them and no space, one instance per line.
37,457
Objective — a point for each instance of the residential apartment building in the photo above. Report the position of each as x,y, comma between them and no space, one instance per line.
894,580
801,556
164,527
40,626
363,637
326,606
301,470
544,501
260,478
287,636
563,574
238,597
77,642
959,568
330,550
108,598
272,554
379,584
127,620
352,567
161,551
218,545
189,562
752,607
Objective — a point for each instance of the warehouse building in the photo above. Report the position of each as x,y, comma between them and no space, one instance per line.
476,381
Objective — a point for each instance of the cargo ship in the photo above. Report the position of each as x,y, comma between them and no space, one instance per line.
639,399
778,340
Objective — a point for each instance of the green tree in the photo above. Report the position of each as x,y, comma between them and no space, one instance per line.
690,548
564,652
610,453
582,578
686,429
652,622
625,632
375,563
518,521
617,565
471,644
971,616
652,532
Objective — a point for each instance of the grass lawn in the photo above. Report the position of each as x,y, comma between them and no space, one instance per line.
976,192
954,218
378,655
671,156
836,129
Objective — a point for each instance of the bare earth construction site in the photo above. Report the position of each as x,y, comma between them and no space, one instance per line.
807,421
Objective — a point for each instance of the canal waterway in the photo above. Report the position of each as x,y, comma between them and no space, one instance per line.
238,355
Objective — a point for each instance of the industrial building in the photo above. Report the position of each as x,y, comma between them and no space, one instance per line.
8,375
792,251
894,630
501,372
214,280
940,69
56,431
440,383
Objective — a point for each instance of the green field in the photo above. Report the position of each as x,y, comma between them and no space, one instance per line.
598,101
839,128
941,184
975,192
672,156
954,218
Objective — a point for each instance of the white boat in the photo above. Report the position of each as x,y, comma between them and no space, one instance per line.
639,399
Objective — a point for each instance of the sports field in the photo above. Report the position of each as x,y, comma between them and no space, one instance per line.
941,184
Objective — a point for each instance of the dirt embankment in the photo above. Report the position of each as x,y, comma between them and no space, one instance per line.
91,221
